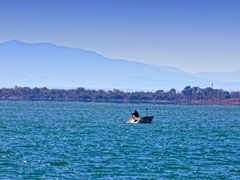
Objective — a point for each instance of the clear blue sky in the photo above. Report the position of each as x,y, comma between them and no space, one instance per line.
193,35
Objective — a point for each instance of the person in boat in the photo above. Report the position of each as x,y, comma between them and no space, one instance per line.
135,114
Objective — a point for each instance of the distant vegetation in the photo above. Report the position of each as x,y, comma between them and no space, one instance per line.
189,95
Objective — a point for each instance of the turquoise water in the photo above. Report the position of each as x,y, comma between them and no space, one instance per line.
71,140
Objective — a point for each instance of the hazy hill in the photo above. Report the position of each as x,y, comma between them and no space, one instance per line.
226,76
46,64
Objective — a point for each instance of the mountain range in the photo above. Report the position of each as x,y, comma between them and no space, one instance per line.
52,66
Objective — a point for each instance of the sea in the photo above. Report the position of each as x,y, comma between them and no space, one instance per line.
75,140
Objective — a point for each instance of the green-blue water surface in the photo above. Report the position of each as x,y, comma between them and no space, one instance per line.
72,140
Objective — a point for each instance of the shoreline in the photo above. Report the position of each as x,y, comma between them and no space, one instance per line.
190,103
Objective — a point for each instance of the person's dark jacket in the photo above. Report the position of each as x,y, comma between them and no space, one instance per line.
135,114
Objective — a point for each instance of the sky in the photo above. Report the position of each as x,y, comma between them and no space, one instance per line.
193,35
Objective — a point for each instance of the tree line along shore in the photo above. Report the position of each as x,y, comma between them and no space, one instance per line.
189,95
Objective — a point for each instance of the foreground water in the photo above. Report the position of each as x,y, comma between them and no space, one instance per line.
62,140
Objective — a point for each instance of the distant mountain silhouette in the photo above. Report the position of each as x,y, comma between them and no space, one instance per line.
49,65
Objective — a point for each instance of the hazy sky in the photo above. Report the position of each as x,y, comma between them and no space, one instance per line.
193,35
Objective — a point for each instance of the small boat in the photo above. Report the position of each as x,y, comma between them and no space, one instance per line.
145,119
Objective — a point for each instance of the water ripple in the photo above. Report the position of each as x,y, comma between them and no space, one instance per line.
54,140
